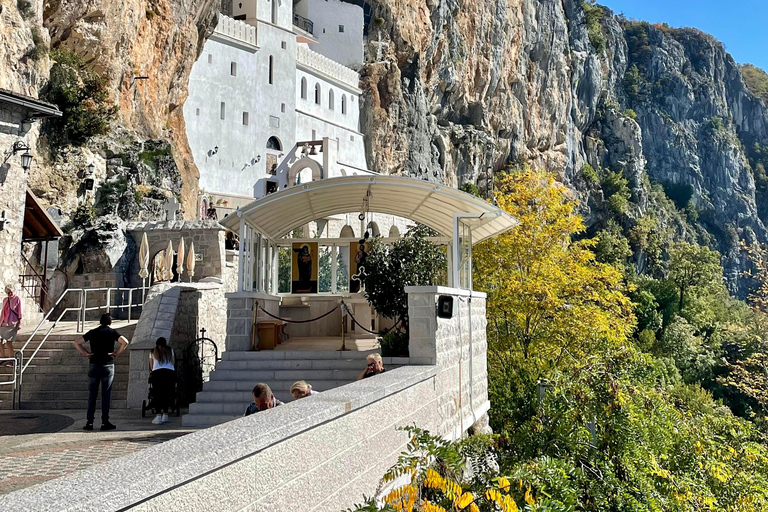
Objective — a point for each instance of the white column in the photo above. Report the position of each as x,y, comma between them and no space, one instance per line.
334,248
241,257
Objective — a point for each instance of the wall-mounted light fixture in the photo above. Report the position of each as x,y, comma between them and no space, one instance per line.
255,160
26,157
88,181
3,221
213,151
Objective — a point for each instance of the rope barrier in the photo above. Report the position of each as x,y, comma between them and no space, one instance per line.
380,333
298,321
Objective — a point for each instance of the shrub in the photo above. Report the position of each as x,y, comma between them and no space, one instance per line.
40,48
394,344
84,214
594,15
756,81
616,190
589,174
83,97
630,113
470,188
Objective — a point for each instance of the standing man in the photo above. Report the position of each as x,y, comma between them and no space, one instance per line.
10,321
102,367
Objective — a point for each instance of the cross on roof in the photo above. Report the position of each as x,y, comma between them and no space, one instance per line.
379,47
171,207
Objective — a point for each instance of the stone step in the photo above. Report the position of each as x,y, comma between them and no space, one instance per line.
268,376
230,409
64,396
30,386
291,364
207,420
240,355
276,386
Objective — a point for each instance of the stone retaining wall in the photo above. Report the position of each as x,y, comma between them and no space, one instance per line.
322,453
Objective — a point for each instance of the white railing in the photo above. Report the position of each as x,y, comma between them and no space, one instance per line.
236,29
326,66
81,294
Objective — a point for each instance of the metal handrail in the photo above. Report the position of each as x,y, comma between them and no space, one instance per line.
81,309
13,381
303,23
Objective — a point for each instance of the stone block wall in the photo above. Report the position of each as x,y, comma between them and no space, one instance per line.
13,188
240,309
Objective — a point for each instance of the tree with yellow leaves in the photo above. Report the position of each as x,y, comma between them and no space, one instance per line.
547,295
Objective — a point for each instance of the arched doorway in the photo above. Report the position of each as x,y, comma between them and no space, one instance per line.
274,148
301,165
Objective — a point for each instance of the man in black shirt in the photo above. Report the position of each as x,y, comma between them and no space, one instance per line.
102,367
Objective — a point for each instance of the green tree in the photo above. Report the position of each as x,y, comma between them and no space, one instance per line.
693,266
412,260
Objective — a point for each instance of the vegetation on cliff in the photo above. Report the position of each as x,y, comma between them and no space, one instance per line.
610,390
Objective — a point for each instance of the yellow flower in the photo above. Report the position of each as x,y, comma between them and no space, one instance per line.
463,501
529,498
504,484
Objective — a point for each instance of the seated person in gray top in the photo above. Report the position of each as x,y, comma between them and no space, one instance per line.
263,399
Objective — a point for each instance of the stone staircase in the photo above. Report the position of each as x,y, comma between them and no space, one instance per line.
57,378
228,392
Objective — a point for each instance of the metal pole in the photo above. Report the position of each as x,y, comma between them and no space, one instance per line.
343,340
45,278
130,303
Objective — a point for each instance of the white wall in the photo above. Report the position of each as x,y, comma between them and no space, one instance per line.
326,15
262,10
230,171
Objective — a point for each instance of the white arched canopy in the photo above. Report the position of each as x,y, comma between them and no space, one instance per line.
464,218
428,203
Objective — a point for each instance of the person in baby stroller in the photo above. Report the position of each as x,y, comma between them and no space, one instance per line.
162,380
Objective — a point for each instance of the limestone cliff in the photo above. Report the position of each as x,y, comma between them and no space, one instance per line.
461,88
144,49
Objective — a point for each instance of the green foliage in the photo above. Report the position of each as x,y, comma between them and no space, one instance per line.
83,97
630,113
694,360
694,266
109,194
612,246
25,8
410,261
40,49
150,157
470,188
284,270
594,16
616,191
325,271
639,45
756,81
716,125
394,344
84,214
590,175
633,83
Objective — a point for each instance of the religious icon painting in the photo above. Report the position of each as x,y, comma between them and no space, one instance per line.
358,252
304,267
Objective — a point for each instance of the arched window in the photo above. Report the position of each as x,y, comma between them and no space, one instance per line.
330,99
344,104
273,143
303,88
317,94
271,68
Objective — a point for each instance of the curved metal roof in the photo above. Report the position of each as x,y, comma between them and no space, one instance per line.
428,203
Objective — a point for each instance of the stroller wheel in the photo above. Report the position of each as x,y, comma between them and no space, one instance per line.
143,408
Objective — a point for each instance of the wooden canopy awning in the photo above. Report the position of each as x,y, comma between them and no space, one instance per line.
38,225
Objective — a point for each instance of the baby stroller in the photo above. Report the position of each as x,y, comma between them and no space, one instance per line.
151,401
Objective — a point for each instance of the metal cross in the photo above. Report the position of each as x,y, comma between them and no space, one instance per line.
171,207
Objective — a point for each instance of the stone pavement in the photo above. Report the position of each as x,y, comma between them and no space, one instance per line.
36,446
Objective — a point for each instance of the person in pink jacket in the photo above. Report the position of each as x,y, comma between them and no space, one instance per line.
10,321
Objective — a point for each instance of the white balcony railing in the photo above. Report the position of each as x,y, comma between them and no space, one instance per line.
326,66
236,29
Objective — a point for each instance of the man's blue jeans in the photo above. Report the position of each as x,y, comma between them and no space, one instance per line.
104,374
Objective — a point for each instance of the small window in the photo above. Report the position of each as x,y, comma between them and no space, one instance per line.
271,187
330,99
271,69
245,118
303,88
274,122
344,104
283,45
314,135
233,68
210,58
197,111
341,28
282,108
274,144
223,110
317,94
352,138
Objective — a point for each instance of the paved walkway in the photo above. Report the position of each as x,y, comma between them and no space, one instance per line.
36,446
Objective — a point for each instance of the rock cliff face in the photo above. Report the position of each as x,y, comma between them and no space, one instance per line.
144,49
462,88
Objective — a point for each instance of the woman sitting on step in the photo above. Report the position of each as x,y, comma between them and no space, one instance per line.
163,380
301,389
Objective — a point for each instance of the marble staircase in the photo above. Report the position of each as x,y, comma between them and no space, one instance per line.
228,392
57,378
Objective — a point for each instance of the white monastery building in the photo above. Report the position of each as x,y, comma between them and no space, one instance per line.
272,101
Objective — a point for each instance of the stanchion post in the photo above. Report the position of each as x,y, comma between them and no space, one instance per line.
343,314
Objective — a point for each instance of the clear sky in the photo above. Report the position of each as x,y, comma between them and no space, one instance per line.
739,24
